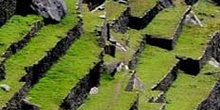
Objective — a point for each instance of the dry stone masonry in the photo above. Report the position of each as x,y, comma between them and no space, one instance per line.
7,9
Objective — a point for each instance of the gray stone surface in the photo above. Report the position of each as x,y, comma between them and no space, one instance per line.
7,9
5,87
50,9
212,102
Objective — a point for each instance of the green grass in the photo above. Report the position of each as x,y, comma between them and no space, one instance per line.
197,37
58,81
15,29
138,7
92,20
189,91
113,9
43,41
153,64
165,23
111,95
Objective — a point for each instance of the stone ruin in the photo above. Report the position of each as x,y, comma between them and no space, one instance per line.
56,10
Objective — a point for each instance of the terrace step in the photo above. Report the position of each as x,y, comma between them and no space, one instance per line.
186,86
46,37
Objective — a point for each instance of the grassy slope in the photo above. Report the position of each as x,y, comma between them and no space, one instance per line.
197,37
111,95
65,74
138,7
165,23
189,91
113,9
78,60
44,40
153,64
15,28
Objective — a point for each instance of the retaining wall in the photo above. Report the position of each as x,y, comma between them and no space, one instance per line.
16,46
37,70
81,90
169,43
212,102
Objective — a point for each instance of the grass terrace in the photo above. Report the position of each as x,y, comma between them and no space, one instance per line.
91,19
153,64
15,29
197,37
111,95
188,91
36,48
138,7
113,9
165,23
58,81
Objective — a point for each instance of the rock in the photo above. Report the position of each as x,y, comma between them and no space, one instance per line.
193,19
123,1
7,9
94,90
138,85
52,10
112,68
5,87
213,62
120,66
103,16
189,20
100,8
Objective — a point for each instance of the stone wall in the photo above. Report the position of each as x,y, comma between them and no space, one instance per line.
193,66
16,46
168,79
169,43
147,17
2,71
92,4
23,7
37,70
135,104
159,42
81,90
126,20
133,62
179,27
104,34
212,102
7,9
120,25
189,65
